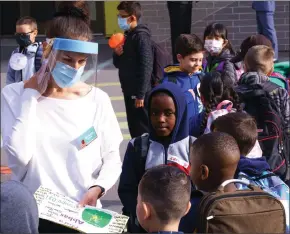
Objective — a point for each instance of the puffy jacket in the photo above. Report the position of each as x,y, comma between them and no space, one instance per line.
136,63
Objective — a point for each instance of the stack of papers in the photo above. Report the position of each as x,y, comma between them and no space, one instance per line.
63,210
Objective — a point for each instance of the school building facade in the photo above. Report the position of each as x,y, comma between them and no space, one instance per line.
238,16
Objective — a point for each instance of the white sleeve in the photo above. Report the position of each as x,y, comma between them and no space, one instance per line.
111,138
19,141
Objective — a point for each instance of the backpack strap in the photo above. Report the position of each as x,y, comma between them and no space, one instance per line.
216,67
141,146
38,56
270,86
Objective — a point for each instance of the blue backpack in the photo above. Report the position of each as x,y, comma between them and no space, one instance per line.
272,184
269,182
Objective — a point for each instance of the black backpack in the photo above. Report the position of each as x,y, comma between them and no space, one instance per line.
271,134
141,146
160,61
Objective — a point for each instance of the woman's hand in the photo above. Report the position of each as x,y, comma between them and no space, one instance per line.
91,197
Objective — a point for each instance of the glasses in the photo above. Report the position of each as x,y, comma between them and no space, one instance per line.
123,16
23,34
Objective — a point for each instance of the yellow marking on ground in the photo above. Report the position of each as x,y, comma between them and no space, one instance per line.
123,125
117,98
126,136
120,114
106,84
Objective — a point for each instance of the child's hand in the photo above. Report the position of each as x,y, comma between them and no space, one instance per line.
192,93
139,103
119,50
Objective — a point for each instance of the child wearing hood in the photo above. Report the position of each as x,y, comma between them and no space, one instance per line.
167,143
187,74
220,51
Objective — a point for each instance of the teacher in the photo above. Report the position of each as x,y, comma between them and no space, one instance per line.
58,131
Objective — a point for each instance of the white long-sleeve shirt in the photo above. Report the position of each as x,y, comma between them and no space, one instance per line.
40,138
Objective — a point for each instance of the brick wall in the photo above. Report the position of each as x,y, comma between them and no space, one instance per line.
238,16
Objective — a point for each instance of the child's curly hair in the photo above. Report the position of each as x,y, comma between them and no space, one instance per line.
215,88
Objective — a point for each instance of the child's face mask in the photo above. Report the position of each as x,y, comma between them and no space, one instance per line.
123,24
213,46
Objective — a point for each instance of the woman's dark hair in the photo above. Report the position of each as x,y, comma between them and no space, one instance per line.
218,30
248,43
215,88
72,20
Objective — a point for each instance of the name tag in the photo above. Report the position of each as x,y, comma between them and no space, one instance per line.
86,138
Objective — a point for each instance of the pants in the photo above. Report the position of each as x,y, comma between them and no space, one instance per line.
180,21
265,23
46,226
137,118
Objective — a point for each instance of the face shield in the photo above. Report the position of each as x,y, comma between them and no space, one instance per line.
69,63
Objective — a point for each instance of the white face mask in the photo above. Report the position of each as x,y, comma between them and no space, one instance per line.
213,46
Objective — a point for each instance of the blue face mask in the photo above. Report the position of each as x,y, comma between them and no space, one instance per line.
123,23
65,75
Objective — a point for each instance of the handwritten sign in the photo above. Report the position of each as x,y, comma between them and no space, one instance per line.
61,209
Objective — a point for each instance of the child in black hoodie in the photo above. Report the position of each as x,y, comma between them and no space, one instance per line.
134,60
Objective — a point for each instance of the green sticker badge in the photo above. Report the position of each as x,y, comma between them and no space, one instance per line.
96,217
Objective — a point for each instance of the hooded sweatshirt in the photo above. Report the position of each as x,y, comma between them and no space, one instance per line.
221,63
279,95
175,151
186,82
136,63
19,212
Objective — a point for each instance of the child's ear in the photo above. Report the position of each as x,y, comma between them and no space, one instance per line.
204,172
147,210
179,57
132,18
187,208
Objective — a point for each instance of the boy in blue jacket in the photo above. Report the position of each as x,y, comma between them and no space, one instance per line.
167,143
187,74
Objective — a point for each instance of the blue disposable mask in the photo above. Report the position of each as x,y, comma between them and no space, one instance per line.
65,75
122,22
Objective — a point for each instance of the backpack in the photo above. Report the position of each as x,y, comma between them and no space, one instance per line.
160,61
141,147
271,135
223,108
220,67
283,68
243,211
269,182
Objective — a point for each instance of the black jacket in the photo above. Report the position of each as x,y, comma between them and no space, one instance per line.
229,68
136,63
